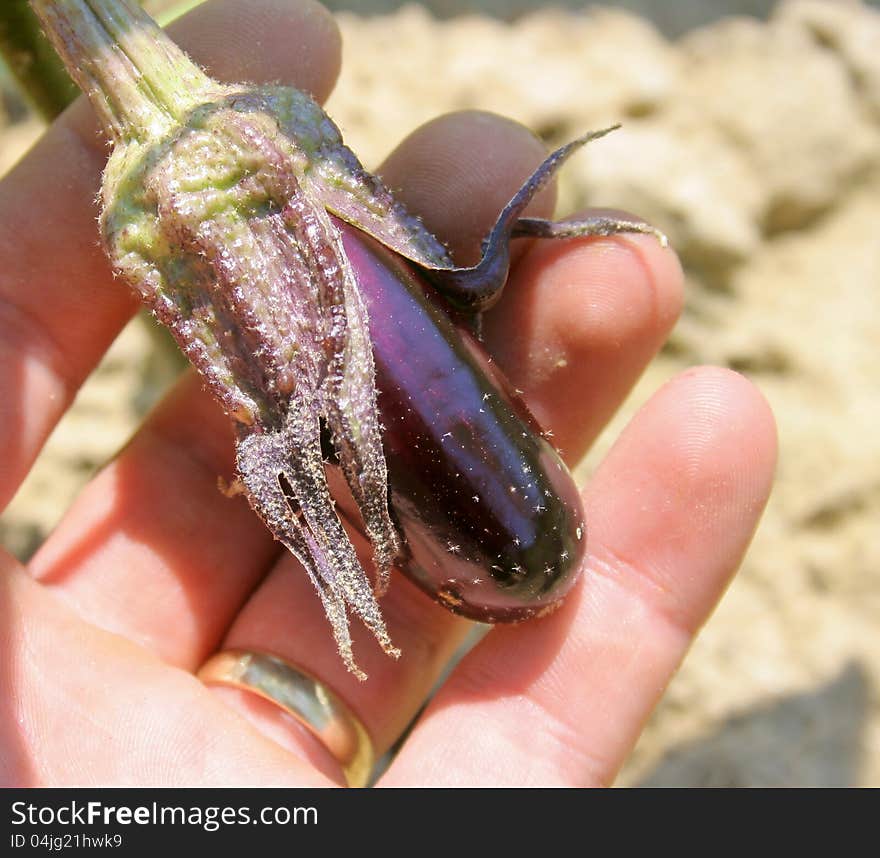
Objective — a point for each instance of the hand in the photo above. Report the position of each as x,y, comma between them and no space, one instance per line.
153,570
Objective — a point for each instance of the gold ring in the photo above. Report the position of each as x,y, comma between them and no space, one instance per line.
314,705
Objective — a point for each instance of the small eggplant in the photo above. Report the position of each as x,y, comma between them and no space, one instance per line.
299,288
492,520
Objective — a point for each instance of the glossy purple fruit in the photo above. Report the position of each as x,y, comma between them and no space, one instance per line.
493,521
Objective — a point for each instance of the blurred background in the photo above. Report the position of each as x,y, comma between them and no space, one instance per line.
752,137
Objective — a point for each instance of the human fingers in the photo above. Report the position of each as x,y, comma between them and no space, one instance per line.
151,549
59,305
579,321
670,513
470,147
80,706
458,171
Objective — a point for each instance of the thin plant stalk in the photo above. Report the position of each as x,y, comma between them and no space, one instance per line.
36,68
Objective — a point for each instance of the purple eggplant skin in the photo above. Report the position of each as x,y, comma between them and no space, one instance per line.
492,519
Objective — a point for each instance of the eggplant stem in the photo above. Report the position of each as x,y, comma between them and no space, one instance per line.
139,82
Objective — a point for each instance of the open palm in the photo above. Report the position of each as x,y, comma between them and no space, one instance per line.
153,569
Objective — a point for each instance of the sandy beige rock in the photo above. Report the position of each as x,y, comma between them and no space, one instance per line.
675,170
844,29
560,74
16,139
788,104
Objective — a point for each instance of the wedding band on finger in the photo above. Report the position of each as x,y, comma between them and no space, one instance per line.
303,697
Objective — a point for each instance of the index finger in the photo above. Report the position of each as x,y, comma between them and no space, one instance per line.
59,306
670,512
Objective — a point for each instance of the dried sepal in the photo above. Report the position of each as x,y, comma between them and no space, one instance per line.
245,266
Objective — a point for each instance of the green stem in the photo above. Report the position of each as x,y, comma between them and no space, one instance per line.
139,82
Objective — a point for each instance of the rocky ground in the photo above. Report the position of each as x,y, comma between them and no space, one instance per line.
756,146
